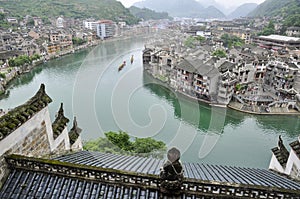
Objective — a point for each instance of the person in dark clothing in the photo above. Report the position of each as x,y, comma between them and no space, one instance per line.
172,168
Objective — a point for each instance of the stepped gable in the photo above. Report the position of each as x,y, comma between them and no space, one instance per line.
97,175
74,132
296,147
281,153
60,122
19,115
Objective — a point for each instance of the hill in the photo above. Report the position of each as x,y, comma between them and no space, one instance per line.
179,8
276,8
147,14
289,10
212,12
98,9
242,10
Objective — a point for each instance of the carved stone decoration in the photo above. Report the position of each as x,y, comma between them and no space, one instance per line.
19,115
74,132
60,122
172,173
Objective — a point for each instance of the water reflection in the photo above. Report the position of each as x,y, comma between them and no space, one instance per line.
180,102
91,88
289,125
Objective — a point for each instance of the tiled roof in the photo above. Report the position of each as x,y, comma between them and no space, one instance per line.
280,38
296,147
226,66
42,178
60,122
45,185
281,153
19,115
198,171
186,65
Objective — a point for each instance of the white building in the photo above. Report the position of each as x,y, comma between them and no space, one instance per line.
59,22
106,29
92,25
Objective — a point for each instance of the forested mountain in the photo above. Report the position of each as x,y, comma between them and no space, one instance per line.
98,9
242,10
289,10
147,14
276,8
179,8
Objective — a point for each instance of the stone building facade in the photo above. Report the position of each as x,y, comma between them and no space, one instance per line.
28,130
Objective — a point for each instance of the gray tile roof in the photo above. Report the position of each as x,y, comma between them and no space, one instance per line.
74,178
296,147
45,185
186,65
226,66
281,155
19,115
216,173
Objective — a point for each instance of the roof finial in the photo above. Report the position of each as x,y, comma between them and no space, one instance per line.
280,142
61,110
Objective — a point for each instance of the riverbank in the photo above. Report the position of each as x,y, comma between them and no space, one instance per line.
187,96
14,72
254,109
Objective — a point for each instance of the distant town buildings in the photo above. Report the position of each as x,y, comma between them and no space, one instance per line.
249,78
92,25
293,31
59,22
277,42
105,29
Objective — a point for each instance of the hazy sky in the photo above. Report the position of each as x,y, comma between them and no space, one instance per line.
226,3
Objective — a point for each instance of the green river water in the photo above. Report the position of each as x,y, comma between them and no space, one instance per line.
103,99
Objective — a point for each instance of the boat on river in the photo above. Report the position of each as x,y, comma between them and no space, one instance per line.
122,66
131,59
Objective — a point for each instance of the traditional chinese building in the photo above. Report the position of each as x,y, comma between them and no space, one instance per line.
27,130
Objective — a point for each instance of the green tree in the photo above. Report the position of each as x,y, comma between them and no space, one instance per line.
11,63
147,145
20,61
120,143
78,41
2,75
219,53
268,30
121,139
230,41
2,16
30,22
200,38
190,42
35,57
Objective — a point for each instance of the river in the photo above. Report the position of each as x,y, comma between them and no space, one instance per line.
103,99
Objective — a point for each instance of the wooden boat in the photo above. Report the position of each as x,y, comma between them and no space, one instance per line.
122,66
131,59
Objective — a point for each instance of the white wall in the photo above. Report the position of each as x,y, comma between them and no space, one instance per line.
275,165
